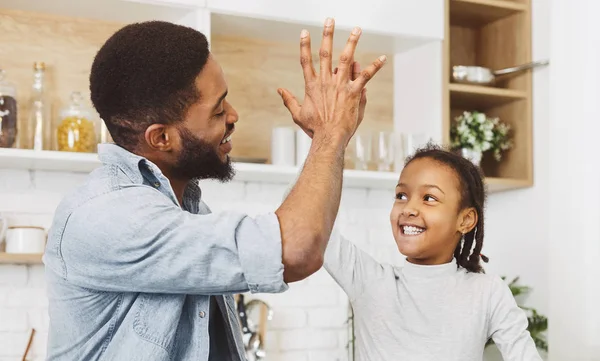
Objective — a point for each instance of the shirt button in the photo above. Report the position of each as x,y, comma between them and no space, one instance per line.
156,184
202,314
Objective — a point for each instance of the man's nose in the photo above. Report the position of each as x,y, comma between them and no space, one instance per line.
232,114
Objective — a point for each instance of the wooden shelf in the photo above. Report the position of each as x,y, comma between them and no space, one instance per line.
476,97
494,34
473,13
496,185
18,258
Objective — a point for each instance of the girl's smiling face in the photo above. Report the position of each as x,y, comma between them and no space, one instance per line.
427,219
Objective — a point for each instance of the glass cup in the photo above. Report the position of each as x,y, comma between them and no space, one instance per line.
362,149
384,147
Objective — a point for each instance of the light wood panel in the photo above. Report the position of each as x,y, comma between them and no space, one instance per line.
16,258
463,42
254,70
498,35
479,12
504,44
480,98
517,162
67,46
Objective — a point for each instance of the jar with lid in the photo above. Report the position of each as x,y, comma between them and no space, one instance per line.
8,112
77,129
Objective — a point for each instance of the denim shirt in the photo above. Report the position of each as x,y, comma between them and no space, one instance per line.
130,273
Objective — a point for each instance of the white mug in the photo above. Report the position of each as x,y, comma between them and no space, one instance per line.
283,146
303,143
27,239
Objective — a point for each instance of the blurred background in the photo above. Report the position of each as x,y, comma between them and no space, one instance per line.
511,84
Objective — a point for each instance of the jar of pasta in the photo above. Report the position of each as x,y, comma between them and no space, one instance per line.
77,129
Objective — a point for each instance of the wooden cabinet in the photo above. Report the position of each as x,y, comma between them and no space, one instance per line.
423,18
256,42
495,34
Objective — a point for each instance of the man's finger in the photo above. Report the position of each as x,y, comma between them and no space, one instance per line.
347,56
362,105
368,73
290,102
355,70
306,57
326,49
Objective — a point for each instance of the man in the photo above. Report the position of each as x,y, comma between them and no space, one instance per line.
137,266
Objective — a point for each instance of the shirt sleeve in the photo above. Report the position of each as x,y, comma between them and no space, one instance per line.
136,240
508,325
350,267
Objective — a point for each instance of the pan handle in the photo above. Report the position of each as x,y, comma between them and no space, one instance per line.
521,67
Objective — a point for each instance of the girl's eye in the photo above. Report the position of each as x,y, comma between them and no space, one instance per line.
401,196
429,198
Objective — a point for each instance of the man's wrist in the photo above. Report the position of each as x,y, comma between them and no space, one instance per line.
331,140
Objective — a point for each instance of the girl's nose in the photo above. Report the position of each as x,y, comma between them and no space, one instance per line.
410,211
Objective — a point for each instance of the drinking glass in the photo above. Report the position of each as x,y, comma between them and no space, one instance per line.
362,150
384,143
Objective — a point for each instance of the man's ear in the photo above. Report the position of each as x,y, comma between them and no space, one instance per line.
467,220
159,137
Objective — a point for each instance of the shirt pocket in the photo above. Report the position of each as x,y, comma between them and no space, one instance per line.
157,317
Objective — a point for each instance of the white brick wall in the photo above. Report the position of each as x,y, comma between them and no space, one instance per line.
23,305
309,322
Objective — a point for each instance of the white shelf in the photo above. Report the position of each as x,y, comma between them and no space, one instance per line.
245,172
249,172
249,19
394,23
278,31
109,10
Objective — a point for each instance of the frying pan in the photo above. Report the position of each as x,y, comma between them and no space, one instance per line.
484,76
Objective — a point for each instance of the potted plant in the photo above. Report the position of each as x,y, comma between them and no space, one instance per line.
474,133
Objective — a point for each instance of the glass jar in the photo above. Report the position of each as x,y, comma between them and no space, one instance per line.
78,128
8,112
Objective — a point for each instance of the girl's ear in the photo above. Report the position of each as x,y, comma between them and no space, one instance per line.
467,220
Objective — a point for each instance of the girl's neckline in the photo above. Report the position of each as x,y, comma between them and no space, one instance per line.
438,270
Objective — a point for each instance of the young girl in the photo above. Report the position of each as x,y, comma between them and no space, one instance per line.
440,305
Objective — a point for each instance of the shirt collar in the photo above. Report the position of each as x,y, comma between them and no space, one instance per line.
428,271
129,162
132,163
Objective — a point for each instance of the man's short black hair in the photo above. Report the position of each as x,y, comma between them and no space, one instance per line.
145,74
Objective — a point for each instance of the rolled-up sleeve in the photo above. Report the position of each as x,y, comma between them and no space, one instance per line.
136,240
259,250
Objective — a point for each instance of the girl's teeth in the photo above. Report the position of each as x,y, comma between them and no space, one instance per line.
410,230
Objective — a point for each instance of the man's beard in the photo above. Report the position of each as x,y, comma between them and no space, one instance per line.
200,160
